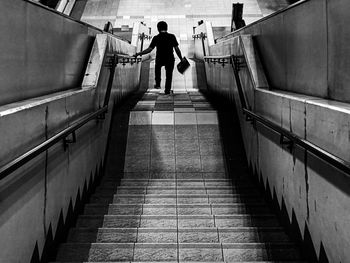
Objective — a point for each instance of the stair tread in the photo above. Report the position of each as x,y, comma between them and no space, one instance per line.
263,245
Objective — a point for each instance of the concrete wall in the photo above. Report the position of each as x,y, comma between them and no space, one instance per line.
34,197
305,48
42,52
99,12
317,194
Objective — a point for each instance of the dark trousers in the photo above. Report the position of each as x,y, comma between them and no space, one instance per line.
169,67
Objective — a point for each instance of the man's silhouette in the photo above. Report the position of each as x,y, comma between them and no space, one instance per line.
165,44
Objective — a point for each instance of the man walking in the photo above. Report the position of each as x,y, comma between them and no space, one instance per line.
165,43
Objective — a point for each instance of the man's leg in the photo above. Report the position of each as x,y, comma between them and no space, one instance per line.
157,72
169,67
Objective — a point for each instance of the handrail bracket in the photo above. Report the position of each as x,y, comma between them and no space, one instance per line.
67,141
239,62
287,142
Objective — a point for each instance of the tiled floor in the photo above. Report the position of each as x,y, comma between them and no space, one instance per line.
171,193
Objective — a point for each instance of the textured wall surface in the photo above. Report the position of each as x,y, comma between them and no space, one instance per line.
313,192
42,52
34,197
305,48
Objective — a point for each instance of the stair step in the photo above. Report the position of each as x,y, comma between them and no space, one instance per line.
199,252
172,221
173,199
173,209
274,261
181,183
172,190
182,235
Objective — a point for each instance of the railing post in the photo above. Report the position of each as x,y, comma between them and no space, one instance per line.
113,61
236,67
203,36
66,141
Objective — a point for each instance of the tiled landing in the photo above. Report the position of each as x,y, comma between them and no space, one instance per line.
177,192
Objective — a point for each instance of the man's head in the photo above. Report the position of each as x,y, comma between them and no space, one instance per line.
162,26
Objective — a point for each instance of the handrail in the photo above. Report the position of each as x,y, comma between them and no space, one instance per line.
114,59
201,36
287,138
26,157
335,161
236,64
142,37
122,59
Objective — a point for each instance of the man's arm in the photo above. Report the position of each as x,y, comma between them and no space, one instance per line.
146,51
178,52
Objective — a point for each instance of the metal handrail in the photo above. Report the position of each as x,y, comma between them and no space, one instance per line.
26,157
201,36
29,155
292,138
287,138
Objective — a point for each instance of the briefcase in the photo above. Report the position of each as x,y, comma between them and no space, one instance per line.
183,65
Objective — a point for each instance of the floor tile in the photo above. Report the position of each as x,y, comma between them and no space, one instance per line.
131,199
188,191
195,222
254,235
199,183
214,175
186,132
137,175
189,176
210,147
156,236
198,236
185,119
212,163
192,200
111,252
162,175
121,221
186,164
139,132
149,209
161,191
162,148
126,235
158,222
140,118
184,110
140,164
163,132
163,164
207,118
158,200
209,253
186,147
161,183
158,252
119,209
159,118
194,209
138,147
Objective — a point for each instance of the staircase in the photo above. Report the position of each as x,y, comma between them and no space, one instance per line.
180,195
